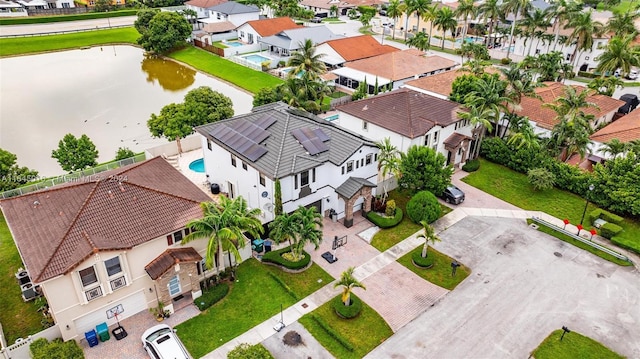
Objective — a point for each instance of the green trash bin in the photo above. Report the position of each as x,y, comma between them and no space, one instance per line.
103,332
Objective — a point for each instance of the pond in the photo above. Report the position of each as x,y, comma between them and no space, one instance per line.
107,93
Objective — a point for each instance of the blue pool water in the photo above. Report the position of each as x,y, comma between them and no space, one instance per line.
233,43
289,69
197,166
257,58
470,39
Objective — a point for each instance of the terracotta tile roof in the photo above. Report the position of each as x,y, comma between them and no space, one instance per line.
442,83
359,47
56,229
326,4
625,129
406,112
269,27
399,65
169,258
546,117
204,3
217,27
455,139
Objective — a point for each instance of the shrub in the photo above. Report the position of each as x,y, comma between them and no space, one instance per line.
56,349
424,206
211,296
379,205
124,153
385,222
589,75
277,258
420,261
347,311
607,216
247,351
505,61
541,179
282,63
332,332
609,230
627,243
471,166
390,211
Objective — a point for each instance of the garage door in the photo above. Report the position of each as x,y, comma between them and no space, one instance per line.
317,204
131,305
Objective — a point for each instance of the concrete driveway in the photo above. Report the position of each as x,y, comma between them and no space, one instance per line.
524,285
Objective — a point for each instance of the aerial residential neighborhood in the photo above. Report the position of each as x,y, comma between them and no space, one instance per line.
342,179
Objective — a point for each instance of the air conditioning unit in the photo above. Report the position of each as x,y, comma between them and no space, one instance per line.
28,291
118,283
23,277
93,293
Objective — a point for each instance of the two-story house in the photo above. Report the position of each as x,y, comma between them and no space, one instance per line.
201,7
317,163
625,129
232,12
111,243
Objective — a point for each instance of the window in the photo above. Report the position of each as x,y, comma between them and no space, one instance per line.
241,33
65,5
342,169
349,166
263,182
177,236
304,178
426,140
357,164
209,145
88,276
435,137
113,266
376,157
233,161
362,162
365,125
244,166
368,159
313,175
568,57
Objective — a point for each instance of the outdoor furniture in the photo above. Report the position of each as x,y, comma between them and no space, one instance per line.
92,338
103,332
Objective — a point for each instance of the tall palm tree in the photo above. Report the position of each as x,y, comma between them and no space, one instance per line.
445,20
388,160
620,54
420,7
420,41
623,23
519,83
466,10
407,8
429,235
614,147
478,117
490,95
223,225
474,50
561,11
515,7
394,11
531,23
584,29
605,85
348,282
490,11
282,228
430,15
571,102
525,137
306,61
308,224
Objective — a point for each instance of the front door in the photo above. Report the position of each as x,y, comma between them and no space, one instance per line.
174,286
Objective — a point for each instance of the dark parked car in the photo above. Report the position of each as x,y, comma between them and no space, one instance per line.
453,194
631,102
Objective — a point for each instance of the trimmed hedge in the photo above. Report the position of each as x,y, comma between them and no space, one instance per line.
347,312
284,286
385,222
424,206
625,243
422,262
55,349
609,230
276,257
212,296
505,61
605,215
332,332
471,166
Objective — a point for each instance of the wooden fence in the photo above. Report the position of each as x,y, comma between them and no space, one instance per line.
216,50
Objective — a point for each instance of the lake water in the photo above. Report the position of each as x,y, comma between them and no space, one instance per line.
107,93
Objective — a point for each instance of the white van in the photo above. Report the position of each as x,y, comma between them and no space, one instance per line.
633,74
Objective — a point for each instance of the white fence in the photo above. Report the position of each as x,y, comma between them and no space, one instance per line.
20,350
244,62
189,143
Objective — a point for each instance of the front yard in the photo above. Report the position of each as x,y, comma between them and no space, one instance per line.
573,345
254,297
440,273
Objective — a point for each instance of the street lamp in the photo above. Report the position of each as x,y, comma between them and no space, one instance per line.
591,187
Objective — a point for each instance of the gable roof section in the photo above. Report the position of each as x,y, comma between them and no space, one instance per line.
269,27
169,258
204,3
399,65
625,129
546,118
56,229
352,185
232,7
285,155
292,38
442,83
218,27
406,112
359,47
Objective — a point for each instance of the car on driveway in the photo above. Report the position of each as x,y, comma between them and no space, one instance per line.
453,194
631,102
161,342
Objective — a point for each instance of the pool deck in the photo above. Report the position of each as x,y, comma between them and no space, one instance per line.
200,179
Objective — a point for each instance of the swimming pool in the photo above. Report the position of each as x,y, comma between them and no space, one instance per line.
233,43
197,165
289,69
470,39
257,59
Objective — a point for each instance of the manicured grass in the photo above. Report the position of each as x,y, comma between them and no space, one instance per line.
389,237
63,18
573,345
440,273
364,332
19,319
254,298
29,45
514,187
238,75
588,248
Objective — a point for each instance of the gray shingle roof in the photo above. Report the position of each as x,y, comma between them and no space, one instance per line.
232,7
285,156
352,185
291,39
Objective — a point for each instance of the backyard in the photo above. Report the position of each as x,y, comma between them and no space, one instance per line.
254,297
573,345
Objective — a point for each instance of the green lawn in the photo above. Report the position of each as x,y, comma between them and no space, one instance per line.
513,187
244,77
573,345
389,237
29,45
365,332
254,298
440,273
19,319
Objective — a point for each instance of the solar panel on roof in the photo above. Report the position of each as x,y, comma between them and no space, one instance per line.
239,141
310,140
265,121
321,135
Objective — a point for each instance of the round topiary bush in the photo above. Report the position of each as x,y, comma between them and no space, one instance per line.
471,166
505,61
422,262
350,311
424,206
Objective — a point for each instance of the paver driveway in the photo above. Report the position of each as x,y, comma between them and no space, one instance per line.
524,285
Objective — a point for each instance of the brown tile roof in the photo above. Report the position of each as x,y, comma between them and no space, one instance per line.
399,65
455,139
406,112
56,229
204,3
269,27
217,27
169,258
625,129
546,117
442,83
359,47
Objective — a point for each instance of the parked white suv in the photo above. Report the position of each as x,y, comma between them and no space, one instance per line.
633,74
161,342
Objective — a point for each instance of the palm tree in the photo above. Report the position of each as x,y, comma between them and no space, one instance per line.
532,22
420,41
407,8
474,50
620,54
282,228
525,137
308,224
429,235
430,15
306,61
490,95
420,7
478,117
623,23
571,102
394,11
333,10
519,83
614,147
388,163
445,20
223,225
562,11
348,283
466,9
584,29
605,85
515,7
490,11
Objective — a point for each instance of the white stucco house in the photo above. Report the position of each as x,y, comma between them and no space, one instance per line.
201,7
231,12
111,242
317,163
11,9
42,4
625,129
